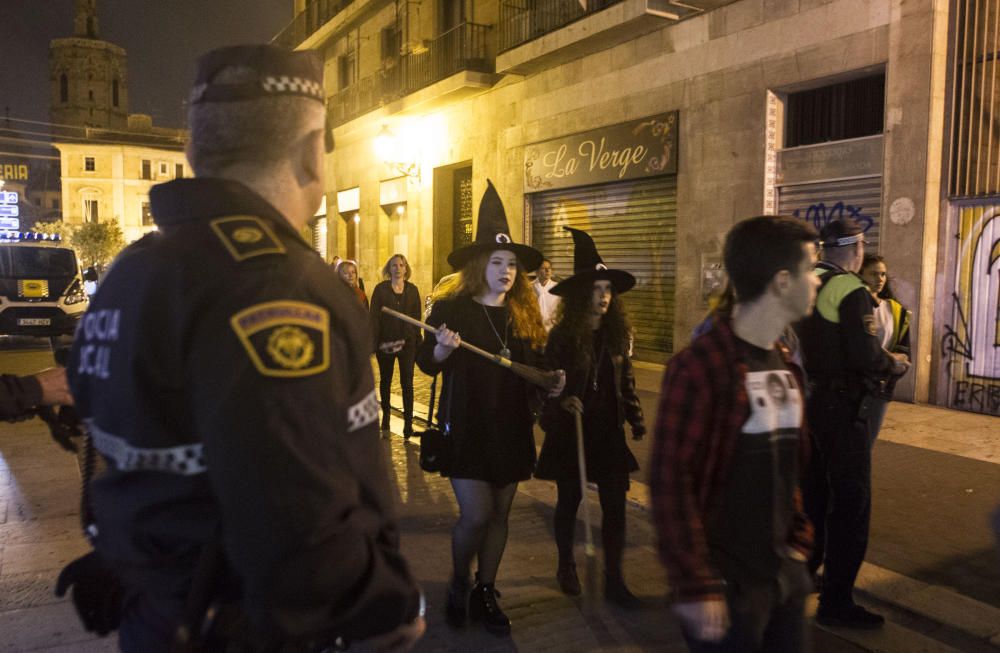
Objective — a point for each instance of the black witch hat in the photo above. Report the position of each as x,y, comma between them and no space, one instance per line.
588,267
492,233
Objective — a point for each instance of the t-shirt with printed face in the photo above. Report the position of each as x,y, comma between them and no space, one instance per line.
749,535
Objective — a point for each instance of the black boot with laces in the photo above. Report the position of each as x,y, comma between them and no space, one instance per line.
483,606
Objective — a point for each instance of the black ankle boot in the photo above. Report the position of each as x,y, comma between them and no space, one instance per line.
483,606
385,423
617,592
408,430
569,582
457,606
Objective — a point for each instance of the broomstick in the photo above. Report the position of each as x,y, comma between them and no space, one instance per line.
590,570
533,375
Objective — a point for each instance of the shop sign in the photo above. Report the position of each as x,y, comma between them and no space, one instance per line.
630,150
13,171
858,157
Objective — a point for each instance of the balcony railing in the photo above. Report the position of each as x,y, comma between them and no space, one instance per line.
461,48
315,15
524,20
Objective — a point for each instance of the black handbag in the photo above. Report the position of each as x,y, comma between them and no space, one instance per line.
437,447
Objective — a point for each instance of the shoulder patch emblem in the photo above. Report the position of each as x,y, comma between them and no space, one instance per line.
285,339
246,236
870,326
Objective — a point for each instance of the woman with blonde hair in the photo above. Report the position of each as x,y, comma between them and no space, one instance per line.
486,409
394,339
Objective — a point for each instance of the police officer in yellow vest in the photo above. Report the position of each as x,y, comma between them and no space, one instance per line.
844,361
223,373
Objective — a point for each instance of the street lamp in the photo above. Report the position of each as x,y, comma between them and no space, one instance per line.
390,151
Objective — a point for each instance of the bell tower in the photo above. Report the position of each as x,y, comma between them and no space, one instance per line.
87,76
85,22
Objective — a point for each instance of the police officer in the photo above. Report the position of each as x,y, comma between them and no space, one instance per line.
223,372
21,396
843,360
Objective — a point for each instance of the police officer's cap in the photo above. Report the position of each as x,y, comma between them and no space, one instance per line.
841,233
278,72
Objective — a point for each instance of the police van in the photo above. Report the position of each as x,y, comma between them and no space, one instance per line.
41,286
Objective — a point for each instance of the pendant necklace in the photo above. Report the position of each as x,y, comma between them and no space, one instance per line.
504,352
598,361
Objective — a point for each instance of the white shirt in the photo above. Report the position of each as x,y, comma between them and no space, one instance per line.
547,302
883,323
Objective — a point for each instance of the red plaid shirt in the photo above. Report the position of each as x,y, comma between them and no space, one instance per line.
703,407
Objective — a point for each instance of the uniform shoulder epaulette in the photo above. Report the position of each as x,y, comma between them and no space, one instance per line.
833,293
246,236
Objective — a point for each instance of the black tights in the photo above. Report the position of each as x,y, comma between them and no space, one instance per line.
386,363
611,492
481,529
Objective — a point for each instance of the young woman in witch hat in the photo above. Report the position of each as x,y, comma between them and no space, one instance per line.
488,408
591,342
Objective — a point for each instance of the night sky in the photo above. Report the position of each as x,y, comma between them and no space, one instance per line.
162,37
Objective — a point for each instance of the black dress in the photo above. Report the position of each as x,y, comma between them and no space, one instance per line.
491,410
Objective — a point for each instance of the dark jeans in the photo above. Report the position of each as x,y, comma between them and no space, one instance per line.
148,626
837,493
764,617
611,492
386,362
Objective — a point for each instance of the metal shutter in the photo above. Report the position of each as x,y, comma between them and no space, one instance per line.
822,202
634,224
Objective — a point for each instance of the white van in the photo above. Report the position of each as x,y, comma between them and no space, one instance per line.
41,287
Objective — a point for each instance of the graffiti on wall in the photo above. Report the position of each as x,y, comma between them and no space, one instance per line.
970,344
819,214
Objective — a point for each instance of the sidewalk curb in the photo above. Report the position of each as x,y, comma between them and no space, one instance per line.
935,603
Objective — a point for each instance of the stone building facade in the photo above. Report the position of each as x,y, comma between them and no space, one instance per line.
731,90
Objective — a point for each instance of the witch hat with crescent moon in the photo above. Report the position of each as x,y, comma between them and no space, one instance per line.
492,233
588,267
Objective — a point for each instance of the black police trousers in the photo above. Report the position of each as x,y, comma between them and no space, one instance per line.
837,491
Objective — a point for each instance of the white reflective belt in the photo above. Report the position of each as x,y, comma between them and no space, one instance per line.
185,460
363,413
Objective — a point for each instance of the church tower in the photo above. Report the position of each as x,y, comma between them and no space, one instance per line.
88,76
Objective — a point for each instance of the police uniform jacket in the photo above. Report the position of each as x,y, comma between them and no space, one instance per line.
838,339
223,370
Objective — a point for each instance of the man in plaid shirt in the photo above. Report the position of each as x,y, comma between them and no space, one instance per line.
729,444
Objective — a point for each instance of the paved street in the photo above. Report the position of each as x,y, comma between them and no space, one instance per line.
928,526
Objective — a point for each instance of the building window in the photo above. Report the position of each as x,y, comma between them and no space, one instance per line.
147,215
114,92
55,203
347,67
90,94
163,169
88,164
90,210
836,112
147,169
179,170
63,88
391,43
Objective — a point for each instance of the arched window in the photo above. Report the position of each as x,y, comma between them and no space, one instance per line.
114,92
63,88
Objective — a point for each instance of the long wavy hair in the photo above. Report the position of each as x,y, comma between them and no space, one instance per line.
521,300
573,325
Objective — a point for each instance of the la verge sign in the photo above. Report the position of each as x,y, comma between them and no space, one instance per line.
629,150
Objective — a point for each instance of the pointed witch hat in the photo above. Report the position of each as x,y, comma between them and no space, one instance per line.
588,267
492,233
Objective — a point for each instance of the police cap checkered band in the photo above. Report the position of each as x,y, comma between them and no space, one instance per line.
841,233
273,71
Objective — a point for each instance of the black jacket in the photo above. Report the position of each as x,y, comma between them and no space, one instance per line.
224,373
558,458
386,328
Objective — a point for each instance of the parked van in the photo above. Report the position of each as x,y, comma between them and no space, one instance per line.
41,286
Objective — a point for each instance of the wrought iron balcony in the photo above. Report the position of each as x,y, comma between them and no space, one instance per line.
524,20
461,48
315,15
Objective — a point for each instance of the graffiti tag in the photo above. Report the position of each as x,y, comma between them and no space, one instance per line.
820,215
978,397
955,345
